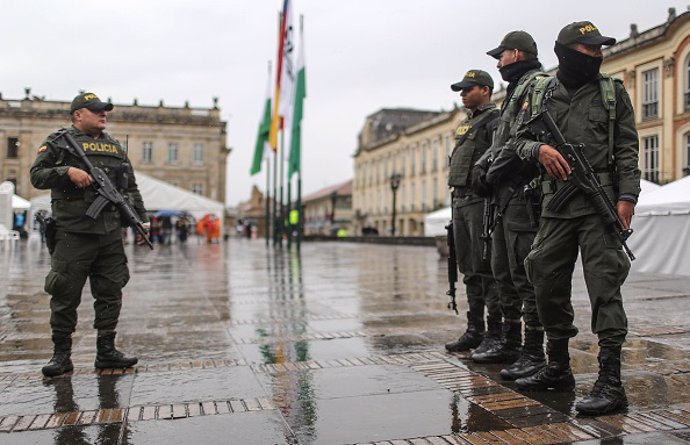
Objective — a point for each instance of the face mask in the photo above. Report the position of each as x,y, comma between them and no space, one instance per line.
512,73
575,68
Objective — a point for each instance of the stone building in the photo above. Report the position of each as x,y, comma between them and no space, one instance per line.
183,146
319,215
414,144
253,211
655,66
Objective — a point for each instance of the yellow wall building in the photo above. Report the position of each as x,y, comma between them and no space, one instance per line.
655,66
415,144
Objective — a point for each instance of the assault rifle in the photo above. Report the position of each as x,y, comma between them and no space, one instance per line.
582,178
106,191
452,267
488,221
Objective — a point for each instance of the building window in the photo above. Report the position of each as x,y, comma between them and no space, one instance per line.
650,94
413,196
434,193
402,164
198,188
422,168
198,154
449,138
434,156
147,152
173,152
12,148
687,85
413,160
686,164
422,196
651,158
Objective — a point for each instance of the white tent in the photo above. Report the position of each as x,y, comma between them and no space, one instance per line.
159,195
435,222
661,241
19,203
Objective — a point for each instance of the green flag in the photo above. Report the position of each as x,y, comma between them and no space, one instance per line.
300,93
264,129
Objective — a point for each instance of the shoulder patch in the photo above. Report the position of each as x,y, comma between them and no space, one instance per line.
462,129
42,148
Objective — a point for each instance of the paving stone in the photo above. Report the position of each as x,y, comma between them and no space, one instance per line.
8,423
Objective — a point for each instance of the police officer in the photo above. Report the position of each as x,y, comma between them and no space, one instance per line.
473,138
507,176
601,118
84,247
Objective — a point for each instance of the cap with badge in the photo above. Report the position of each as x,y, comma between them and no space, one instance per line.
90,101
472,78
515,40
583,32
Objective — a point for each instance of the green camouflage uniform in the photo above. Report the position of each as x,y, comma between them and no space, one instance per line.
515,229
473,139
85,247
582,118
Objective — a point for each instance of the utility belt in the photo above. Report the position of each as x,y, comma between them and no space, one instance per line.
549,186
462,193
463,196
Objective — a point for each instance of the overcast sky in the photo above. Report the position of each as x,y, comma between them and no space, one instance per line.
361,56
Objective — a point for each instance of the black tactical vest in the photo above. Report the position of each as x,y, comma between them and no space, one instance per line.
473,138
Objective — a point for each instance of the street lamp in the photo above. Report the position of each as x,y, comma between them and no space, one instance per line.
395,183
334,198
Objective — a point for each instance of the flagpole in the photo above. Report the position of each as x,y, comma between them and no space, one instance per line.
282,181
275,201
288,210
300,210
267,219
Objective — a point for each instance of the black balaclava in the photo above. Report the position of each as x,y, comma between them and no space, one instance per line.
513,72
575,68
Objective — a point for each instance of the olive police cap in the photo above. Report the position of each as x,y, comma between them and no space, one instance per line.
515,40
583,32
90,101
472,78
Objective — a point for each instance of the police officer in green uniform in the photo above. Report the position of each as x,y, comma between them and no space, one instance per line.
84,247
601,118
507,176
473,138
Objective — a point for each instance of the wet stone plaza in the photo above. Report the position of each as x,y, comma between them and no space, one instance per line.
340,343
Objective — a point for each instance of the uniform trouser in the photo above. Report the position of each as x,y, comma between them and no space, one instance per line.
479,282
511,242
77,256
551,263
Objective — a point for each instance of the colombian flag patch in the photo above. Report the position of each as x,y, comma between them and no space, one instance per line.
43,148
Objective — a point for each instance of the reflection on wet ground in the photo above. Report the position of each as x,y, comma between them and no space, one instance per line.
337,344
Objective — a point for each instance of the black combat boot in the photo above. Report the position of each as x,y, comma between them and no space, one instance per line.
493,335
608,394
472,337
556,376
508,350
531,359
109,357
61,362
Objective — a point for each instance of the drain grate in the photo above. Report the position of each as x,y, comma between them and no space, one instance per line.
170,411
